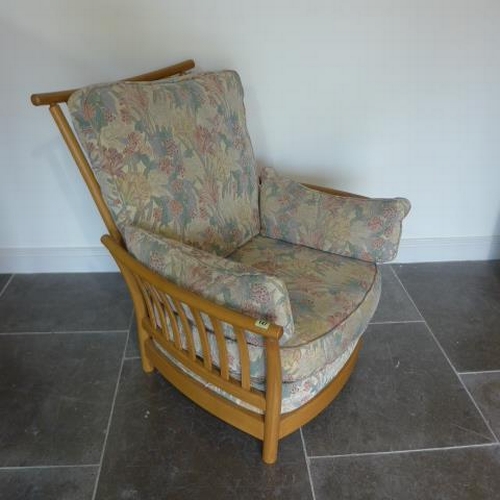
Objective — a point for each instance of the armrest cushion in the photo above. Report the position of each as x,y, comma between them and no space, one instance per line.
222,281
362,228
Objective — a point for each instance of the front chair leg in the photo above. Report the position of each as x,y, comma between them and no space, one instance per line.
272,416
270,449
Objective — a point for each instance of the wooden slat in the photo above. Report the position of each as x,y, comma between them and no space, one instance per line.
144,286
207,357
221,344
160,308
229,385
49,98
186,326
173,322
244,358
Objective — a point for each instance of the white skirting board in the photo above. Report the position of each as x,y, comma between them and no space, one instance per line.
449,249
56,260
97,259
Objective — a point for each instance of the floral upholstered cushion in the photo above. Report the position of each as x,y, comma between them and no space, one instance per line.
297,393
173,157
332,298
367,229
223,281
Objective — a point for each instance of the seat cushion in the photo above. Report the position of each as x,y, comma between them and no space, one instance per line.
332,299
173,156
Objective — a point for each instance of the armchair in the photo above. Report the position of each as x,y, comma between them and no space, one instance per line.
251,292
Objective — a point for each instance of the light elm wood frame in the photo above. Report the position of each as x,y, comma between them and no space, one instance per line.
165,313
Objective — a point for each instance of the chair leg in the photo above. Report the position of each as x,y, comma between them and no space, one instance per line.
140,314
271,437
143,336
270,450
272,417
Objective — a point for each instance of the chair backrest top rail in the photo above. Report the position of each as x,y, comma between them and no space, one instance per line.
51,98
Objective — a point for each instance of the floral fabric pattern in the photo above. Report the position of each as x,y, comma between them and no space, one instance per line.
220,280
366,229
332,298
173,157
324,288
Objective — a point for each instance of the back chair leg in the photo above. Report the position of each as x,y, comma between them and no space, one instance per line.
140,314
143,336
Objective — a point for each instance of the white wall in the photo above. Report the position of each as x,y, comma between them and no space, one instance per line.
381,97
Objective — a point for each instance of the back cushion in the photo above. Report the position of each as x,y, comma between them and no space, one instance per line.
173,157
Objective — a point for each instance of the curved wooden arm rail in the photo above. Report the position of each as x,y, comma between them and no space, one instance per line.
169,318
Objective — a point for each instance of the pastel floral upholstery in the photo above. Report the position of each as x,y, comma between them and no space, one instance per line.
331,298
173,157
367,229
221,280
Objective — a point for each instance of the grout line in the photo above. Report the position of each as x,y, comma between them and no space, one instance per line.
478,372
477,407
110,418
396,322
407,294
307,464
130,323
123,330
29,467
420,450
6,284
65,332
488,426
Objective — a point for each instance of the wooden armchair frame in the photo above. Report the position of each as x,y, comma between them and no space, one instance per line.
166,312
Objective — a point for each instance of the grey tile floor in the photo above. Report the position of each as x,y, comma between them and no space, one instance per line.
419,419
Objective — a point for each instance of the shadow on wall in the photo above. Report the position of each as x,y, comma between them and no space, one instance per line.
320,175
342,178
